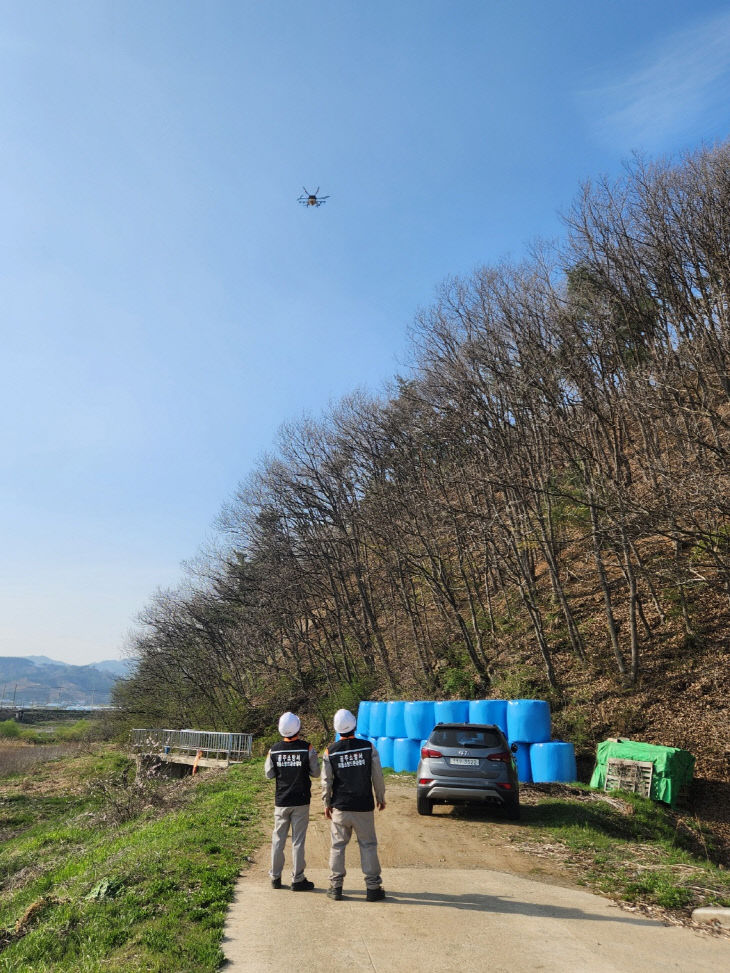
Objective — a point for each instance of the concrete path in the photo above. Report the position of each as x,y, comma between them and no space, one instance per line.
454,919
444,911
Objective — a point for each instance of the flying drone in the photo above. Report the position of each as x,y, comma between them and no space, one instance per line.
311,199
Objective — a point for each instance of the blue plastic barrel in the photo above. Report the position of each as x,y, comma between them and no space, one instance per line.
395,725
522,759
363,716
551,762
406,754
528,721
385,749
419,719
451,711
378,712
492,711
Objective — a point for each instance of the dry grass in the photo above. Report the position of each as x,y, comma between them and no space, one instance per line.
17,758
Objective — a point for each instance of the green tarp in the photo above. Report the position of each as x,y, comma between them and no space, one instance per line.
672,767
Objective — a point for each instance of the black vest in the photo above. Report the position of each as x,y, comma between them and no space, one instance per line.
352,787
291,766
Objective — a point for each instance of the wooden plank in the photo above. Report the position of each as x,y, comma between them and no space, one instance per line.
184,758
629,775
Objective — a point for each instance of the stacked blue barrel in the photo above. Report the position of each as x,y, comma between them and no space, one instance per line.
399,730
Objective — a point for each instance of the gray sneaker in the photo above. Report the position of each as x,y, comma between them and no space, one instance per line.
334,892
375,895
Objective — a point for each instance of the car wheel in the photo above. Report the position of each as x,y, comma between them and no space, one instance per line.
512,812
423,805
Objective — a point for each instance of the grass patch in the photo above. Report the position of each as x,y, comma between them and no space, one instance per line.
630,848
85,886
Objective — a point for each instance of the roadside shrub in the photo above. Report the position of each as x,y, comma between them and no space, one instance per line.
83,730
457,682
9,729
124,795
32,736
80,730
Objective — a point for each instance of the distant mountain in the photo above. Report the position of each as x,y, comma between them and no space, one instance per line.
43,681
116,667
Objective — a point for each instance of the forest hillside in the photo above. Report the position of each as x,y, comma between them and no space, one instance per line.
540,507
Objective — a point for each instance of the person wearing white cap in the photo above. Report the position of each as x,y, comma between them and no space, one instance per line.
351,771
292,763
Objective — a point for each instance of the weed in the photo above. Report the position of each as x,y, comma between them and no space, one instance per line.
347,696
571,723
519,682
458,682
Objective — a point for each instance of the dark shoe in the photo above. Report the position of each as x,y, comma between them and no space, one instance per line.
276,883
375,895
335,892
304,886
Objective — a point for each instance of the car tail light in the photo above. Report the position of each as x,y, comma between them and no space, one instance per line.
427,752
505,787
505,757
426,780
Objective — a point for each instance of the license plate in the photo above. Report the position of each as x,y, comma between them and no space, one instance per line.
464,761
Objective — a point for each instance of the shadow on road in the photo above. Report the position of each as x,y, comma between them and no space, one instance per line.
476,902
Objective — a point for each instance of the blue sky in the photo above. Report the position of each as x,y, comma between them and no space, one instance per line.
166,304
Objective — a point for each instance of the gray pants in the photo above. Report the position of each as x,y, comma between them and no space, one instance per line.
341,827
298,819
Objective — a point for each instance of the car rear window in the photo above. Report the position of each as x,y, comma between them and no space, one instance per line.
465,737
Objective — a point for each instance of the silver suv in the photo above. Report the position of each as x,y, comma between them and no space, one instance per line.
467,763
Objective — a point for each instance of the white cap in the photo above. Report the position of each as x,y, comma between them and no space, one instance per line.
289,724
344,721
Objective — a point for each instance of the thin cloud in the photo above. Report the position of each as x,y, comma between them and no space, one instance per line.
683,88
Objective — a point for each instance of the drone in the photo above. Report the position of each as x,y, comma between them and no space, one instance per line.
311,199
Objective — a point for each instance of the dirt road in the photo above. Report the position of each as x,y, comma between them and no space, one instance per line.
458,898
